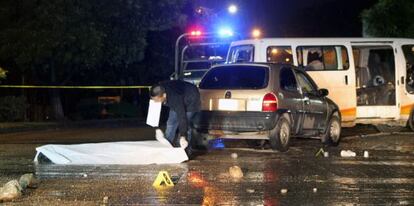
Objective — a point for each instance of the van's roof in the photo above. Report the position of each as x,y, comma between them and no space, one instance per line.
269,64
289,41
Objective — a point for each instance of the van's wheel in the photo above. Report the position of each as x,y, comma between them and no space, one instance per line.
280,135
332,134
411,121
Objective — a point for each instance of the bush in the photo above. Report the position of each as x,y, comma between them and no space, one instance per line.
123,109
3,73
88,109
12,108
92,109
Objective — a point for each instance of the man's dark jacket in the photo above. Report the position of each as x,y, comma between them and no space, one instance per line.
182,97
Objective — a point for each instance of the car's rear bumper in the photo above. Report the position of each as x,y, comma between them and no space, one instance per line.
235,121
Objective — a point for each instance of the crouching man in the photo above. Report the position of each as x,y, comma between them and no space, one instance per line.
183,99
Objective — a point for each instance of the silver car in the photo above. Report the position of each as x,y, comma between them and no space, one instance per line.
264,101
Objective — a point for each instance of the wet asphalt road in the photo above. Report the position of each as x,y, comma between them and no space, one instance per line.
385,178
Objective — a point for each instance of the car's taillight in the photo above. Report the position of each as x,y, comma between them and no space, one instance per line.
269,103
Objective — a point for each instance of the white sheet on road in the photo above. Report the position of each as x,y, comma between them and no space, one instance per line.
126,153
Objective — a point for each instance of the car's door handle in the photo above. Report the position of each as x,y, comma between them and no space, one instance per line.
346,79
306,100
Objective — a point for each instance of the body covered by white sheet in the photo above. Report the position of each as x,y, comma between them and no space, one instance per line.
158,151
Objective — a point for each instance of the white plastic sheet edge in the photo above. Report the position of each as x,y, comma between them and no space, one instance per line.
159,151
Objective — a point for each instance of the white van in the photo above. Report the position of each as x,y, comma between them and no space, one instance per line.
371,79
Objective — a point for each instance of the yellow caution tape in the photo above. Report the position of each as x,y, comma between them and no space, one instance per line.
73,87
163,180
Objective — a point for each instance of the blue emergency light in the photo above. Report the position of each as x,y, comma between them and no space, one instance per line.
225,32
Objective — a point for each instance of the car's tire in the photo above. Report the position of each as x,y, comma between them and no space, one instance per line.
280,135
332,134
411,121
198,140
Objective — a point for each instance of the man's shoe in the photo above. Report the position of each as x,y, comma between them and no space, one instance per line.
189,152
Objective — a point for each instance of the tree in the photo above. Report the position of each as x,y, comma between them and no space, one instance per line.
56,39
389,18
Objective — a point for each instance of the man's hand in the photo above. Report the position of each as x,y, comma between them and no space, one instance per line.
183,142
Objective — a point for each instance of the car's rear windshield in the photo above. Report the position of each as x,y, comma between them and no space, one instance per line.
236,77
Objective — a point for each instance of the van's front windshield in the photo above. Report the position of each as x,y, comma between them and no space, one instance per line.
409,58
241,53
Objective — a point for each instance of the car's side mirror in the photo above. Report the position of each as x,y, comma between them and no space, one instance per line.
323,92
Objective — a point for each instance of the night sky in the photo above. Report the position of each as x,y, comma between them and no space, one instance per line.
294,18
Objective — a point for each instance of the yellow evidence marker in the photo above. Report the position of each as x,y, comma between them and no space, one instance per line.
320,152
163,180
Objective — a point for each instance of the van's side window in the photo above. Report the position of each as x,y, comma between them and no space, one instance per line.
318,58
409,59
279,54
287,80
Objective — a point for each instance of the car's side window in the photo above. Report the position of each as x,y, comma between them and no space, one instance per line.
305,83
288,80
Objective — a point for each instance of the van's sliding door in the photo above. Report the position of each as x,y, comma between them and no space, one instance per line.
375,71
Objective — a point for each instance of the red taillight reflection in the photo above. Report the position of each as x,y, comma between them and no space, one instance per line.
269,103
196,179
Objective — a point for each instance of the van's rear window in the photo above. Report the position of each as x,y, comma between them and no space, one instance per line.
236,77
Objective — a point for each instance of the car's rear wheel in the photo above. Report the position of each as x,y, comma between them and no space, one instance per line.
411,121
332,134
280,135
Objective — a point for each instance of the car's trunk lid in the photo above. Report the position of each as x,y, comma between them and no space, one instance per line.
235,88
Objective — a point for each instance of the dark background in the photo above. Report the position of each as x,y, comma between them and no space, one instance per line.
295,18
150,56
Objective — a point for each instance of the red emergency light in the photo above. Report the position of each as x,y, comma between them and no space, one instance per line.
196,33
